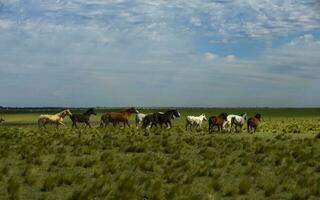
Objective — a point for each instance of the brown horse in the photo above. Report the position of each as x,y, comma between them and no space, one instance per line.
1,120
117,117
253,122
217,121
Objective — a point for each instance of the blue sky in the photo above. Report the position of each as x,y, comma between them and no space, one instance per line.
159,53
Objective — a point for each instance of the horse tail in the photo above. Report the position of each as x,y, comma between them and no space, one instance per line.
233,120
144,122
187,123
137,120
103,120
210,122
101,123
40,122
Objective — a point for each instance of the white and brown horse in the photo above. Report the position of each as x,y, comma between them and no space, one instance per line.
53,119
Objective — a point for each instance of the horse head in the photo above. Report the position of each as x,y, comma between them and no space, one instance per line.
244,116
65,113
204,117
223,115
258,116
91,111
68,112
174,113
132,110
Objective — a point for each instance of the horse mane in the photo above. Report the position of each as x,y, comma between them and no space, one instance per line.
258,116
129,109
89,110
60,113
169,111
243,114
223,114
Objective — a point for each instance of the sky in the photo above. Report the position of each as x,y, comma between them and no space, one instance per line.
217,53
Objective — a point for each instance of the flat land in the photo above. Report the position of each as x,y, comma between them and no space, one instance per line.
280,161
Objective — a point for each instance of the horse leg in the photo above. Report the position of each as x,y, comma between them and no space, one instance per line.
127,122
60,123
106,123
101,124
169,122
44,124
73,124
39,123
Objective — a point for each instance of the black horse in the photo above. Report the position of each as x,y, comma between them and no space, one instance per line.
160,118
82,118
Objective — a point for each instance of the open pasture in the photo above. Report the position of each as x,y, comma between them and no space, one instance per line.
280,161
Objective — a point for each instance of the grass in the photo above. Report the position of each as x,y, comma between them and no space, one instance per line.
280,161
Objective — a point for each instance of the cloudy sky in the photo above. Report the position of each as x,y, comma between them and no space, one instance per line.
160,53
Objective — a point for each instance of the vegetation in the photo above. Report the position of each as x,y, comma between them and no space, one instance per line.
280,161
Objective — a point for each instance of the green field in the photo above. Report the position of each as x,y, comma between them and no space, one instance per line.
280,161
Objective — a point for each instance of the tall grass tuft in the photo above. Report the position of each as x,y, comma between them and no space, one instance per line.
13,189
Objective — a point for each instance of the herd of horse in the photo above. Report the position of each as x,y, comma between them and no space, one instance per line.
224,121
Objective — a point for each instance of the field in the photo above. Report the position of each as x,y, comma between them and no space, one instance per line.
280,161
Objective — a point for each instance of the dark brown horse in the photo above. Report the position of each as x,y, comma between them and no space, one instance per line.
253,122
117,117
82,118
217,121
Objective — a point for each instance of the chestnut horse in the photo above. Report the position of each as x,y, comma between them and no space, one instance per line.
253,122
217,121
117,117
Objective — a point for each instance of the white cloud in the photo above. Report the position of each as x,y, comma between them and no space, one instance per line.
5,24
210,56
195,21
230,58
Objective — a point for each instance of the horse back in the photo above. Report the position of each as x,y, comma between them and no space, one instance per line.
252,121
79,117
119,116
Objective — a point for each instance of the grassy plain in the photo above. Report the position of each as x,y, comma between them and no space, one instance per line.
280,161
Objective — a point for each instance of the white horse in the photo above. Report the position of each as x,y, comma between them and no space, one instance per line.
139,119
53,119
192,121
233,121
